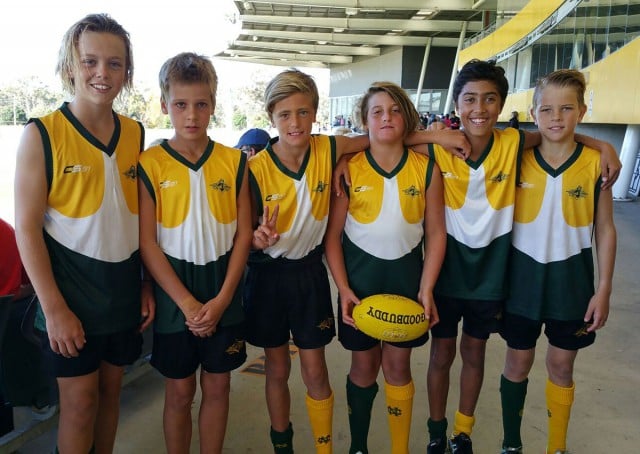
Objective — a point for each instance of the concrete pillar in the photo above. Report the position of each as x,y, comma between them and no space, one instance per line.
628,155
454,72
423,70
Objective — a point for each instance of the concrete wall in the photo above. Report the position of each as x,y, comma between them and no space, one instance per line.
355,78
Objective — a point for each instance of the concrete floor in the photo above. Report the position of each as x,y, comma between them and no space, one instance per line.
605,417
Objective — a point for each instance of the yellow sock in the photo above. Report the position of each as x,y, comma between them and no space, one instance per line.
399,407
463,424
559,401
321,417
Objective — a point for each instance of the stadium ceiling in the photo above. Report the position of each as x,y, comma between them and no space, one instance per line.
324,33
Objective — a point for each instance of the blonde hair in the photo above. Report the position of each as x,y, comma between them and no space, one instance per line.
399,96
288,83
188,67
68,54
561,78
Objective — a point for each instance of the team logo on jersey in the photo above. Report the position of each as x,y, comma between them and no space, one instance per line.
76,168
320,187
363,188
577,193
411,191
500,177
326,324
168,184
235,348
273,197
131,173
394,411
449,175
220,185
525,185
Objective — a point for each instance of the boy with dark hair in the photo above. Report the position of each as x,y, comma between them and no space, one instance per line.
479,205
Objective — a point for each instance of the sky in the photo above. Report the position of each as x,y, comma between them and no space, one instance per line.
31,32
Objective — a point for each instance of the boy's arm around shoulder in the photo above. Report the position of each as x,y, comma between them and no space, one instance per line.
609,161
452,140
346,147
606,241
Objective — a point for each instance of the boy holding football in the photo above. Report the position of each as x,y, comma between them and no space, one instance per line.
374,244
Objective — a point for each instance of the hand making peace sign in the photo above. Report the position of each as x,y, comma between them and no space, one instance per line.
266,234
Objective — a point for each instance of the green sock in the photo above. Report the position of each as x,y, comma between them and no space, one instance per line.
360,402
512,396
437,429
282,441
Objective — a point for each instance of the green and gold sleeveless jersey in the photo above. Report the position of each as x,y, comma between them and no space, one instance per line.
91,219
384,227
479,197
552,265
197,219
303,198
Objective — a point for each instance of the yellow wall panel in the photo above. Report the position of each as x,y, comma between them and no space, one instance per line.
613,91
523,23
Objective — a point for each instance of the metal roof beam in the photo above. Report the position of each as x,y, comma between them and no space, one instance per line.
333,59
363,24
352,38
460,5
311,48
273,62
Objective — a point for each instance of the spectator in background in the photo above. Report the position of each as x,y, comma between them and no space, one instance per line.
513,121
13,279
253,140
454,120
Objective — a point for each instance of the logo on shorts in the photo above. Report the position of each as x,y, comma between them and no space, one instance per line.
131,173
583,330
324,439
326,324
235,348
411,191
577,193
220,185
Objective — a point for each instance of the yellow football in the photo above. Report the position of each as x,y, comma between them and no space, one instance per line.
390,318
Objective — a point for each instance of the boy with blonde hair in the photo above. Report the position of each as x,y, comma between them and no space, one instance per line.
195,234
287,290
559,204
